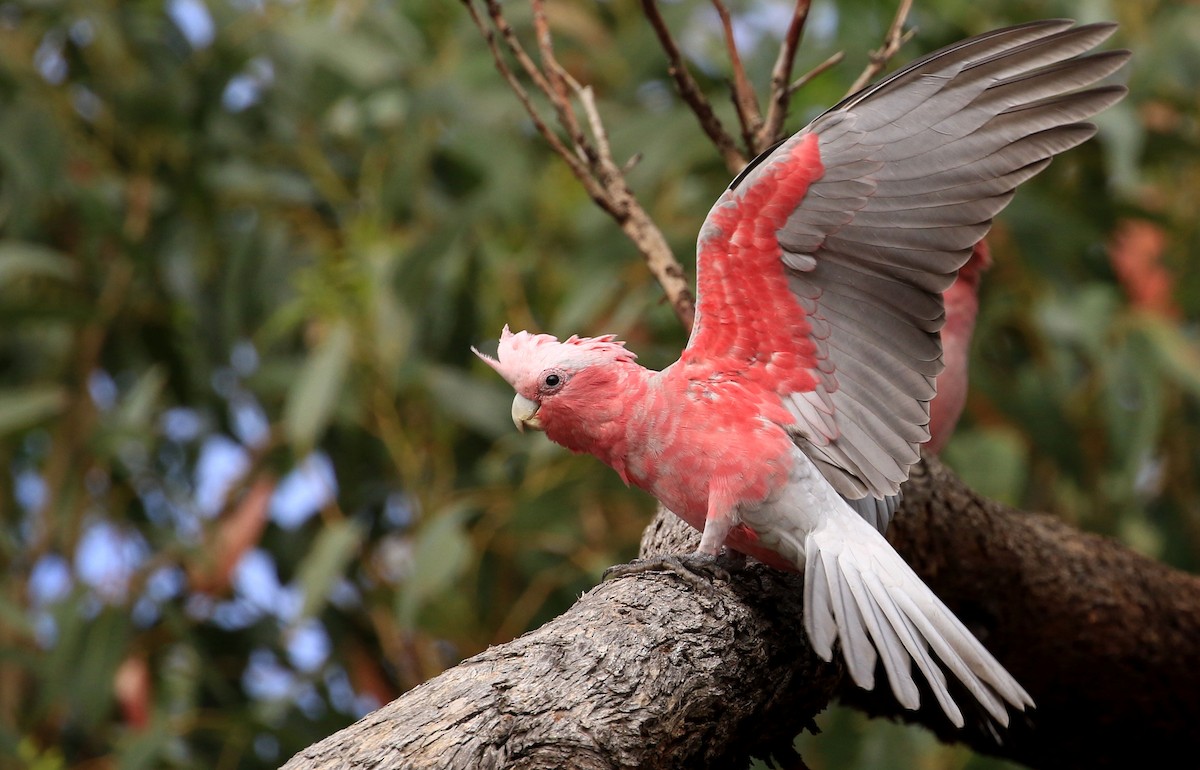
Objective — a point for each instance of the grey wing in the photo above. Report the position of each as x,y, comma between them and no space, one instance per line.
915,168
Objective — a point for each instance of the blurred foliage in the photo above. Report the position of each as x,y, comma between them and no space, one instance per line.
255,484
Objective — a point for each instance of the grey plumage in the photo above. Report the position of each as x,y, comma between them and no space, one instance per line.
915,168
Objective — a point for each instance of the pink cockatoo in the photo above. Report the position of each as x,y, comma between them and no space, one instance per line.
788,424
961,302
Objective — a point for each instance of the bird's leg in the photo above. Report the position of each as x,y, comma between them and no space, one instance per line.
697,569
709,562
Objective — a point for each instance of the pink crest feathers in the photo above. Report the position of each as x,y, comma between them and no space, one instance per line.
522,356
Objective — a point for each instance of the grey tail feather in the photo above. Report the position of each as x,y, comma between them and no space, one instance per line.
877,511
865,595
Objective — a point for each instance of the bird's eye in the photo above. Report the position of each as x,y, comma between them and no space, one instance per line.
552,380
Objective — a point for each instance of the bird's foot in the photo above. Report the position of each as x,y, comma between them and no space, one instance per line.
697,569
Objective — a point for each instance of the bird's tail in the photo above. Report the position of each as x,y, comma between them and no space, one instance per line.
858,589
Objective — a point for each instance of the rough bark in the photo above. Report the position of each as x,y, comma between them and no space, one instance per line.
645,671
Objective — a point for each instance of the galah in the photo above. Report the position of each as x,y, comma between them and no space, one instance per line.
961,302
789,422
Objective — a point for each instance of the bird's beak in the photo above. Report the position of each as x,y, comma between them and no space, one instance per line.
524,414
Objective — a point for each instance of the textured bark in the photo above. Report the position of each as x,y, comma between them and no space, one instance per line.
646,671
1106,640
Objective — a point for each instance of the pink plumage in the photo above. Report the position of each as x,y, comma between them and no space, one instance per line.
962,305
793,416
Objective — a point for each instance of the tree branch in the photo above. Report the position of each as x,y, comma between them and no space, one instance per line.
690,91
895,38
745,101
807,77
781,90
590,159
644,671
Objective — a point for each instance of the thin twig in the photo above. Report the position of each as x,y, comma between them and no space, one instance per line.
808,77
892,41
514,45
590,159
745,102
690,91
637,224
577,166
588,99
781,92
557,76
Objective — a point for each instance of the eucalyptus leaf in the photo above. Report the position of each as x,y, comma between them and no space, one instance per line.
137,410
21,408
483,406
441,552
992,461
314,394
335,546
1177,354
21,259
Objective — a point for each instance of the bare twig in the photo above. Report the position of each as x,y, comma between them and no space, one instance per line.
892,42
781,92
557,80
745,102
585,147
607,167
589,157
576,165
807,77
758,132
690,91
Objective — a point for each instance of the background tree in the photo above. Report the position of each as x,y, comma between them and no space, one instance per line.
254,483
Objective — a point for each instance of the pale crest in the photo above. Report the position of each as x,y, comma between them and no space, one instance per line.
522,356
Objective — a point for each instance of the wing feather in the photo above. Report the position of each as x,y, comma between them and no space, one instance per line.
899,182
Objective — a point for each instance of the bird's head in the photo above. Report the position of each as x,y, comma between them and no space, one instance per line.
555,380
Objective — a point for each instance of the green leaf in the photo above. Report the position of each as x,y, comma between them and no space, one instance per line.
335,546
80,668
393,333
138,407
19,259
440,554
486,407
1178,355
312,398
146,749
240,179
1133,406
1082,318
34,757
15,617
25,407
993,462
363,61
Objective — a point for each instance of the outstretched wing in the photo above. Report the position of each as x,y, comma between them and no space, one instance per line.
820,270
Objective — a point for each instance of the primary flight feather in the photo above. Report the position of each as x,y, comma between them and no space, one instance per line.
797,408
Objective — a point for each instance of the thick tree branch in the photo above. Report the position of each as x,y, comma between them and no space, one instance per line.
644,671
